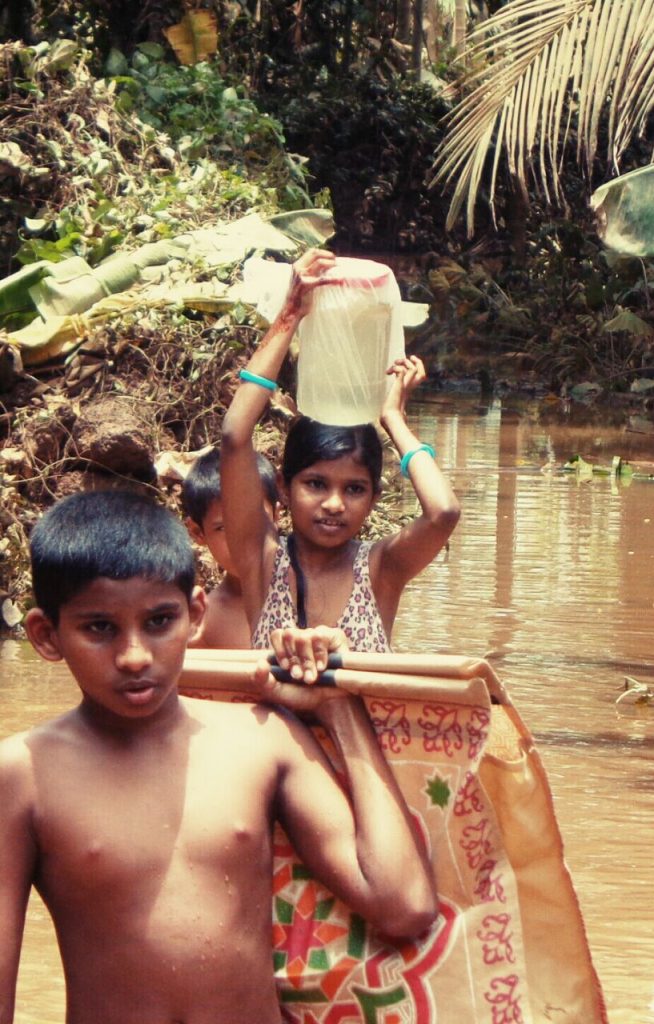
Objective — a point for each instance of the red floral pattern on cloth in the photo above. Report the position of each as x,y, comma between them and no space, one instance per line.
476,790
360,620
331,968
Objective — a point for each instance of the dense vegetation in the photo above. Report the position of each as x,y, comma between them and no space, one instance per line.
126,124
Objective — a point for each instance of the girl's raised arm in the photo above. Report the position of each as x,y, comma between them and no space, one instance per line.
401,556
247,528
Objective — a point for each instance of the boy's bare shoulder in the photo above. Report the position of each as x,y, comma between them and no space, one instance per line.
14,753
243,716
17,751
228,710
225,624
17,764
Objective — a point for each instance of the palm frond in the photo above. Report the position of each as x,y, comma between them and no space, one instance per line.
538,68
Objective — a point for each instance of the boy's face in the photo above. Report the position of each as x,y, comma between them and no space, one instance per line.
212,535
123,640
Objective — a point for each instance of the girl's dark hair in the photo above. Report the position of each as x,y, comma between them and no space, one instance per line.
116,534
309,441
202,485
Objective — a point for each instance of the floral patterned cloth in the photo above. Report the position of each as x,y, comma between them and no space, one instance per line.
509,946
360,621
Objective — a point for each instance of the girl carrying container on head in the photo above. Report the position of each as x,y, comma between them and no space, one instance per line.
330,478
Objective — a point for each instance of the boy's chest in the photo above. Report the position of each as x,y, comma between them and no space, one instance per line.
225,623
102,829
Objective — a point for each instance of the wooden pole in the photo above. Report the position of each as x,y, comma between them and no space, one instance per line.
222,670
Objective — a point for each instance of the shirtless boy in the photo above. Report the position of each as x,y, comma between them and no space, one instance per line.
225,623
144,819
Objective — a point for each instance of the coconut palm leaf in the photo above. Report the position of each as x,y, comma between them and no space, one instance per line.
538,67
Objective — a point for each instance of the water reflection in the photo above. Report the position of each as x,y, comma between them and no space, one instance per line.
32,691
553,580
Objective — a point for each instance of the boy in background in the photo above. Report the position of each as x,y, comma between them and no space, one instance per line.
225,624
145,819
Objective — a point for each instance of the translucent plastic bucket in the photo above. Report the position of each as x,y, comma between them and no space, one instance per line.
347,342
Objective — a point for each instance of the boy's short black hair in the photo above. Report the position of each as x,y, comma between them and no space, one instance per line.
117,534
202,484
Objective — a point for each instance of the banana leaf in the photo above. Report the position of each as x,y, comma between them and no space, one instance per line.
624,210
15,290
311,227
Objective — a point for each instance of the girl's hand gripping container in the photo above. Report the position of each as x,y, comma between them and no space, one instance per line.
348,340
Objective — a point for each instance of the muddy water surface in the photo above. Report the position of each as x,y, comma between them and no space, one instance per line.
552,578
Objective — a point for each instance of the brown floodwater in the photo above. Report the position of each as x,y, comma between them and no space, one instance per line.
551,577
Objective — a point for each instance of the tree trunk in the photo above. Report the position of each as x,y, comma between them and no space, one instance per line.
517,210
404,20
347,34
416,58
459,29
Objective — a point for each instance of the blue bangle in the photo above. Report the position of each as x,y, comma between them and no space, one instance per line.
406,458
254,378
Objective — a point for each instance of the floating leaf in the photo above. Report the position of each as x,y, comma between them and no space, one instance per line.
194,38
583,469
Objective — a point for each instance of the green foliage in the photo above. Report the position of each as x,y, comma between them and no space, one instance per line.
619,470
371,144
205,117
148,152
154,149
568,310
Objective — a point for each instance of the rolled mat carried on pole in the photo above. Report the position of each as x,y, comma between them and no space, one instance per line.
510,945
214,668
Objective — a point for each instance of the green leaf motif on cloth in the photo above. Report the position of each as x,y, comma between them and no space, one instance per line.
438,791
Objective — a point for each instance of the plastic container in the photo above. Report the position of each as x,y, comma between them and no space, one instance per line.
347,342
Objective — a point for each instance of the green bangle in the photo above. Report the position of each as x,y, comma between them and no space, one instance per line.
254,378
406,458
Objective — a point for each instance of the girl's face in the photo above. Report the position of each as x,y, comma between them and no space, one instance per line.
329,500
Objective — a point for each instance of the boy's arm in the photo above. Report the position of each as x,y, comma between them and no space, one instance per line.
17,862
359,842
399,557
245,520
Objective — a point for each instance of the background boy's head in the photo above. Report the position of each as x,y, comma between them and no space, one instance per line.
202,503
112,534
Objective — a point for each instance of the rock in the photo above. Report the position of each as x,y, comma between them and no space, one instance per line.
113,434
